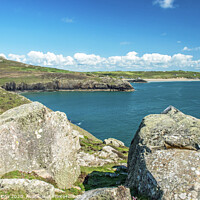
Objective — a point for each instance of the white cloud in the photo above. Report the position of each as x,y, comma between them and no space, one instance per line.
178,41
92,62
191,49
19,58
68,20
3,55
85,59
165,3
48,59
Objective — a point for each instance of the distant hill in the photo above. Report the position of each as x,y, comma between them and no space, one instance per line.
149,74
19,76
20,72
12,71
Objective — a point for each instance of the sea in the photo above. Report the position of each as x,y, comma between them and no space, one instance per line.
119,114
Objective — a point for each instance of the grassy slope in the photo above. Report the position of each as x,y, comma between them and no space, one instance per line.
10,100
149,74
20,72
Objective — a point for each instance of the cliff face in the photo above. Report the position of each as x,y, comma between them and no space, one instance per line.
164,156
104,84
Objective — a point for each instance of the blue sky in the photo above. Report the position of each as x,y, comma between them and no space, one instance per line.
91,35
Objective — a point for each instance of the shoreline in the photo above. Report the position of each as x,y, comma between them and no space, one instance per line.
73,90
171,80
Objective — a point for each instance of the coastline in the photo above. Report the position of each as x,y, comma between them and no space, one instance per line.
171,80
74,90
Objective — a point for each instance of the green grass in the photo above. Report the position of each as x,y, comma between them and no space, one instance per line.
10,100
24,175
85,133
90,146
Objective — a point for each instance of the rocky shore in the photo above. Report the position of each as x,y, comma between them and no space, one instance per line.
44,156
103,84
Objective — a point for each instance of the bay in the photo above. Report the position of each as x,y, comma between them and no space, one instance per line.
119,114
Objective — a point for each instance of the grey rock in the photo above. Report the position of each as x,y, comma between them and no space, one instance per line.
114,142
35,138
119,193
33,189
164,156
105,156
109,84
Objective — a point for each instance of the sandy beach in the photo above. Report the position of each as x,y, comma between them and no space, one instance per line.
171,80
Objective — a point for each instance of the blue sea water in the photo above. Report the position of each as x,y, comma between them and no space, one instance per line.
119,114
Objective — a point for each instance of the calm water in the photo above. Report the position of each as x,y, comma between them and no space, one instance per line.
118,114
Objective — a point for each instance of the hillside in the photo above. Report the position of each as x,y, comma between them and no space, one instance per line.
19,76
149,74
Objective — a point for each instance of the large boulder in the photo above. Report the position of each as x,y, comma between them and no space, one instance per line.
29,189
35,138
164,156
119,193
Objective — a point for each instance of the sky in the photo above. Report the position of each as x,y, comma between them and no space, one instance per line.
102,35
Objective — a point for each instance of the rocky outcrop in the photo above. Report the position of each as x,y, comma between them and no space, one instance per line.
105,156
108,84
164,156
114,142
119,193
29,189
35,138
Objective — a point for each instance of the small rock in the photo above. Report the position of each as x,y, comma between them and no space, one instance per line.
114,142
59,191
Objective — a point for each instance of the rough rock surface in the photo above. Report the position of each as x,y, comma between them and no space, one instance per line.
34,189
119,193
35,138
107,83
105,156
114,142
164,156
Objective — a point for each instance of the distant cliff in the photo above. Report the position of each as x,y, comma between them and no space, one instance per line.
103,84
16,76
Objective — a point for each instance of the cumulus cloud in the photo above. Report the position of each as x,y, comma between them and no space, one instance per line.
85,59
92,62
48,59
3,55
165,3
19,58
191,49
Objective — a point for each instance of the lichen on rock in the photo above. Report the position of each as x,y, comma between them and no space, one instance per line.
32,189
35,138
164,156
114,142
119,193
